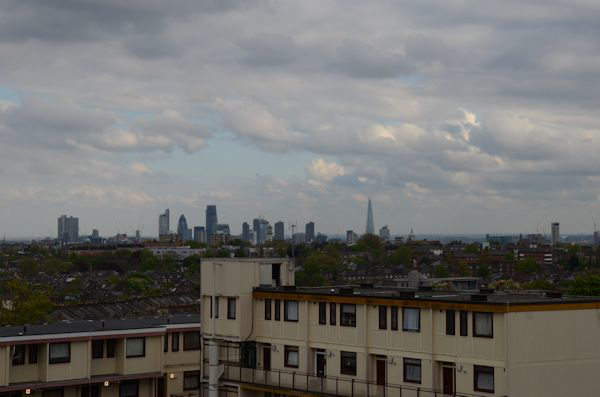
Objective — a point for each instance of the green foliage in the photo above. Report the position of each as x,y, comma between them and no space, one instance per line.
483,271
318,268
28,267
472,248
463,270
586,286
400,257
541,283
441,272
507,284
528,266
27,305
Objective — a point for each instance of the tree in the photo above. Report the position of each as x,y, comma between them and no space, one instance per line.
400,257
441,271
28,267
483,271
27,305
586,286
528,266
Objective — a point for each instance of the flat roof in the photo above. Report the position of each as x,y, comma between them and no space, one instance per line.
68,327
404,294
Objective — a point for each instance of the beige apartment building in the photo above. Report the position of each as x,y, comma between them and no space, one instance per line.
265,337
146,357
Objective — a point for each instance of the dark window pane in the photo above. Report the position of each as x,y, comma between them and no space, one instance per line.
292,356
332,313
290,310
18,356
231,308
412,370
348,363
411,319
110,348
277,310
135,347
347,315
128,389
322,313
191,380
175,342
483,325
97,348
382,317
267,309
59,353
191,340
483,378
33,354
450,322
464,321
166,343
394,318
53,393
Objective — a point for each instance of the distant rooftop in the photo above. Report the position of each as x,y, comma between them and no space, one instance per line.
67,327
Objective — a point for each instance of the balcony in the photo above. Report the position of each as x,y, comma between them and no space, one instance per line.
287,382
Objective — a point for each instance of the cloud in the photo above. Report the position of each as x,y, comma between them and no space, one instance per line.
322,171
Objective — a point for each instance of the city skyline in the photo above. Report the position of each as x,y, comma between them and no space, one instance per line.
115,112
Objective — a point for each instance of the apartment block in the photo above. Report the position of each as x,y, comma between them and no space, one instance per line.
265,337
153,356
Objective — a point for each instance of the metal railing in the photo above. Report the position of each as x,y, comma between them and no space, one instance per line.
328,385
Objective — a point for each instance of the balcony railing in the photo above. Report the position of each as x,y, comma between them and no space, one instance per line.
328,385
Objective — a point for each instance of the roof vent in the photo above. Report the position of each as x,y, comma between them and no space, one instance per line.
345,291
406,294
553,294
479,298
366,285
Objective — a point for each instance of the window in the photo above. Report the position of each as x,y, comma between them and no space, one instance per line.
382,317
483,378
292,356
110,348
277,310
464,321
348,363
347,315
322,313
53,392
175,342
90,391
290,310
411,319
216,308
191,340
483,325
231,308
166,343
97,348
267,309
191,380
59,353
33,354
332,313
136,347
129,389
18,356
450,322
412,370
394,318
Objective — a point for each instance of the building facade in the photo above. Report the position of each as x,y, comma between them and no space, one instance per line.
163,223
279,232
555,232
309,231
68,229
268,338
153,357
211,220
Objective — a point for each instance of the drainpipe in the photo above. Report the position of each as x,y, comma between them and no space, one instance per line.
215,370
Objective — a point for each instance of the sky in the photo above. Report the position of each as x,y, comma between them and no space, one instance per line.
453,117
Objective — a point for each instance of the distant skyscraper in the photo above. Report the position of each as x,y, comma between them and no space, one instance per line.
309,232
279,234
245,231
199,234
555,233
163,223
68,229
269,233
384,233
299,238
370,226
351,237
211,220
182,228
222,228
260,227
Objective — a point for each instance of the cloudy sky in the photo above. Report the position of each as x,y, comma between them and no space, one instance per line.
455,116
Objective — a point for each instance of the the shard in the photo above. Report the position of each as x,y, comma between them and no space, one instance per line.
370,225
